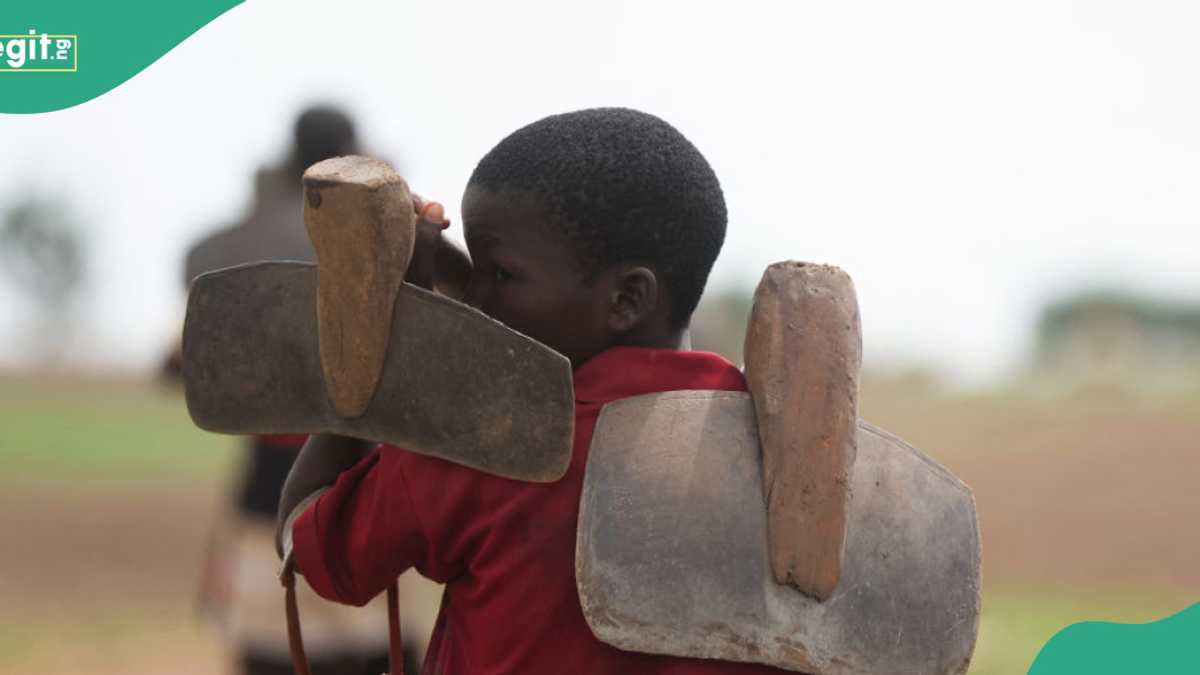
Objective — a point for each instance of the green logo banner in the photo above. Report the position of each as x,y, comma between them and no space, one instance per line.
1167,647
55,54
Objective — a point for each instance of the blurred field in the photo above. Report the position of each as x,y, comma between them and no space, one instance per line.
1088,505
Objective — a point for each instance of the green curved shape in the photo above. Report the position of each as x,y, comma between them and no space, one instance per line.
1167,647
113,41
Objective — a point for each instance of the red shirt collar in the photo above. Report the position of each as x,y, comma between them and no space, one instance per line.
621,372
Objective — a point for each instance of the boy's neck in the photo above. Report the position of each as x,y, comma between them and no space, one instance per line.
680,339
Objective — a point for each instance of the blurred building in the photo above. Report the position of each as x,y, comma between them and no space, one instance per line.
1117,338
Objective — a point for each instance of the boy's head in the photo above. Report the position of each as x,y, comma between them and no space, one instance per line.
593,229
321,132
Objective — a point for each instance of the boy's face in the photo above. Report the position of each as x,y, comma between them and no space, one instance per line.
526,278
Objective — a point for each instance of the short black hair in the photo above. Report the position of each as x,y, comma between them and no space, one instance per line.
622,186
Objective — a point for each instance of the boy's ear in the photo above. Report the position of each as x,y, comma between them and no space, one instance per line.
634,297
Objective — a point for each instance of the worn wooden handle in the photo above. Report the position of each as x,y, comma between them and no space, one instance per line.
803,353
359,215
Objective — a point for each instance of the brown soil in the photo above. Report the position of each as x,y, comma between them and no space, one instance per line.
1116,504
1071,492
101,578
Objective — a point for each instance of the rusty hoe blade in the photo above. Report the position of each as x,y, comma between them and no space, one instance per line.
672,555
456,383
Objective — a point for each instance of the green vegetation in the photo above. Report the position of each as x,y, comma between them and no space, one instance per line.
110,431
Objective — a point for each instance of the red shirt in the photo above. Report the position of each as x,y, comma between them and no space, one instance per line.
505,549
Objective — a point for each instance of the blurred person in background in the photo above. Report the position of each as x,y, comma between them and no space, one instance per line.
240,589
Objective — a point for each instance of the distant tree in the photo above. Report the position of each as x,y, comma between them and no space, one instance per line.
719,324
42,254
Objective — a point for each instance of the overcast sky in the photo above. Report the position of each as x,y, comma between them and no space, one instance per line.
962,161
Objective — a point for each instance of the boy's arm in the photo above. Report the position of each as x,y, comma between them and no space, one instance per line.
322,459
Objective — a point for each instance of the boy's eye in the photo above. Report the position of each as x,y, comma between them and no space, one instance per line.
502,274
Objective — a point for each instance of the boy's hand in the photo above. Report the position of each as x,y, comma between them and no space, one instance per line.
437,264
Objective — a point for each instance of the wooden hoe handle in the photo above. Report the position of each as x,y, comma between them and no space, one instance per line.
803,353
296,640
359,215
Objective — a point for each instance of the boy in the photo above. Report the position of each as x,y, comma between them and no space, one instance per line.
594,233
